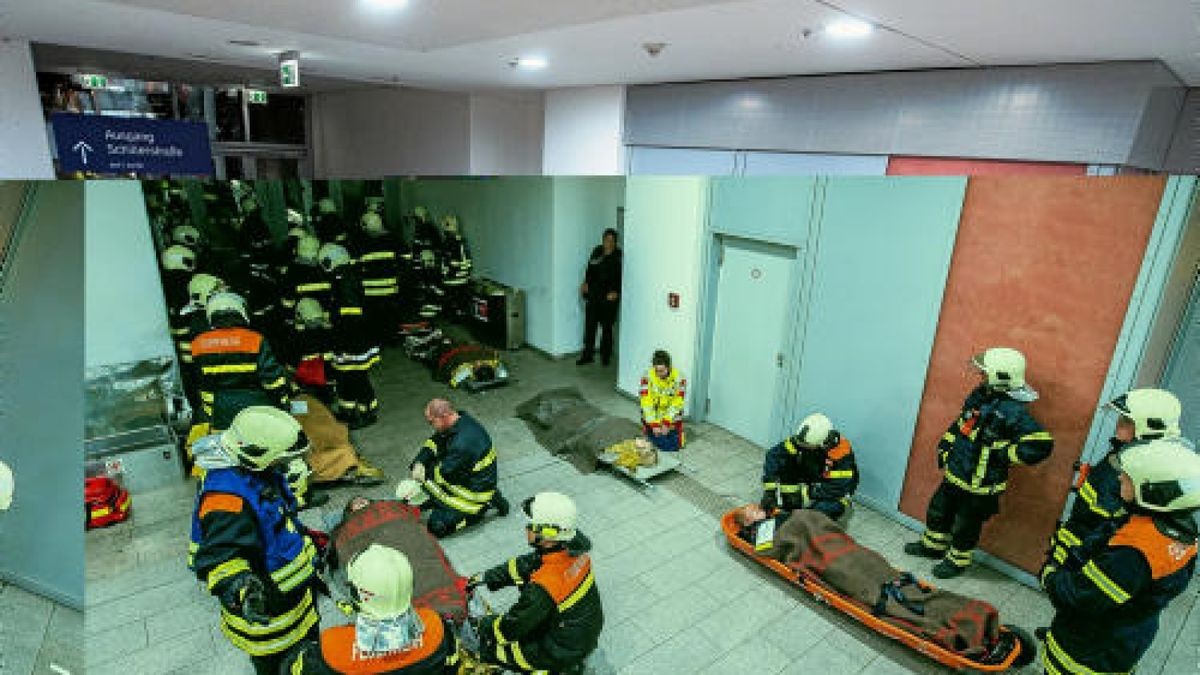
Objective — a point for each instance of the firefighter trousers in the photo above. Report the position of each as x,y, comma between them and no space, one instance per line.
356,396
955,520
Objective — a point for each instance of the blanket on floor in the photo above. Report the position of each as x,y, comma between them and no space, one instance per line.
564,423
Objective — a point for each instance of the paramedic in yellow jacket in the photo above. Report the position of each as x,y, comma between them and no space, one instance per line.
661,396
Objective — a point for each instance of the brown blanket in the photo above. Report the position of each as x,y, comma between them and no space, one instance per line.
809,542
567,425
332,454
391,523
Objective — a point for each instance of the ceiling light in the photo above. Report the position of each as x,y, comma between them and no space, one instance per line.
386,4
849,28
245,43
528,62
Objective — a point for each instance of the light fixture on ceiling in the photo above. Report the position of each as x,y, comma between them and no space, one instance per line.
849,27
245,43
385,4
528,63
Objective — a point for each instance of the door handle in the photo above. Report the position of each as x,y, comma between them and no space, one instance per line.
779,360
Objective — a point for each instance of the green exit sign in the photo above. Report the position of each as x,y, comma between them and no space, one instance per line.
256,96
94,81
289,73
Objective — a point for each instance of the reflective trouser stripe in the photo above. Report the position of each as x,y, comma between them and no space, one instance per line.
381,292
1058,661
278,634
959,558
938,541
229,368
442,497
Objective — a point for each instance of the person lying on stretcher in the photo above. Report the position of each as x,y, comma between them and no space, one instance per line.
812,544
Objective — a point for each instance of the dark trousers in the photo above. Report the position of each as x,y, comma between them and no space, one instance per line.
383,318
955,520
355,393
599,314
444,520
272,663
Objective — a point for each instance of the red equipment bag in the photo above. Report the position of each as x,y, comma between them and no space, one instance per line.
105,502
311,372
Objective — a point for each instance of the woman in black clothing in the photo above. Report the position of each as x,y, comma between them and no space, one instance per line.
601,291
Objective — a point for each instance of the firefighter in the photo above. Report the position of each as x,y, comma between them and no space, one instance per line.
601,291
354,352
254,273
6,487
309,349
661,396
247,545
1108,605
235,365
456,264
378,256
556,622
1145,415
994,432
388,635
179,263
305,278
457,468
327,222
194,314
426,269
814,469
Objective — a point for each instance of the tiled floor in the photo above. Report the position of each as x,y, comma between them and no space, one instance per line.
38,636
676,599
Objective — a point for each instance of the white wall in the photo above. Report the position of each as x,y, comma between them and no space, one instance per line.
125,314
389,131
664,232
583,208
583,131
24,145
506,134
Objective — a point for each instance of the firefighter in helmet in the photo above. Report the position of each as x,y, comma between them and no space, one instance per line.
814,469
1144,415
389,634
247,544
993,433
355,352
558,617
1108,603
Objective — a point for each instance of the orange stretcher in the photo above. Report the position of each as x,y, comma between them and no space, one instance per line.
822,592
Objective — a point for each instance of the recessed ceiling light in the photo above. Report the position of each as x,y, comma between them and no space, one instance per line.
849,28
529,62
245,43
386,4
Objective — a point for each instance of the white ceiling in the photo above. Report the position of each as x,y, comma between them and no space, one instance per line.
466,44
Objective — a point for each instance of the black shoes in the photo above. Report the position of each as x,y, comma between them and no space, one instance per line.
918,549
500,504
585,359
947,570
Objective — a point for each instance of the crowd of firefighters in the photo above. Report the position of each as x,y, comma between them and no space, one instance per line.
1126,550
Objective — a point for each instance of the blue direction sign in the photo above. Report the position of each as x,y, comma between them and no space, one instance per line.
103,144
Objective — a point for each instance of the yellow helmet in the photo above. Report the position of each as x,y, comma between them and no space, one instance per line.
225,301
450,224
262,436
1153,412
180,258
816,431
382,579
326,205
1165,474
310,313
7,486
308,248
372,223
333,256
552,516
421,212
202,286
1004,367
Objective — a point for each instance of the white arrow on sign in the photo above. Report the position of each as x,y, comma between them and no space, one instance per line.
83,149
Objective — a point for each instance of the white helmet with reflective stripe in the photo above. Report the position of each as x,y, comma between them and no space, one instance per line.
382,580
186,235
1165,474
309,312
1153,412
202,286
1004,367
262,436
326,206
225,301
7,486
372,223
552,516
816,431
295,218
333,256
179,258
308,248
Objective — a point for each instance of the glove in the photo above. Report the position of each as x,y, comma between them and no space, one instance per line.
769,501
246,596
418,472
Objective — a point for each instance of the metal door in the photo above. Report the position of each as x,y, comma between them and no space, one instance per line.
753,302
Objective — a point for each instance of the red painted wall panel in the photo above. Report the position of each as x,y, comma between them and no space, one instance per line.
900,165
1045,265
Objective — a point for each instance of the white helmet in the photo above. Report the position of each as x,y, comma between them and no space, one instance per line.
262,436
6,487
410,491
308,248
297,474
309,312
816,431
225,301
372,223
1153,412
202,286
333,256
450,224
295,218
382,579
552,516
186,235
179,258
326,206
1005,367
1165,474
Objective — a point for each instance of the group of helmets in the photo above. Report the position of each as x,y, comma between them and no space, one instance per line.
1162,466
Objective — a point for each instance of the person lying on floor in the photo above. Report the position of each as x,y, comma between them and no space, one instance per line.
811,543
